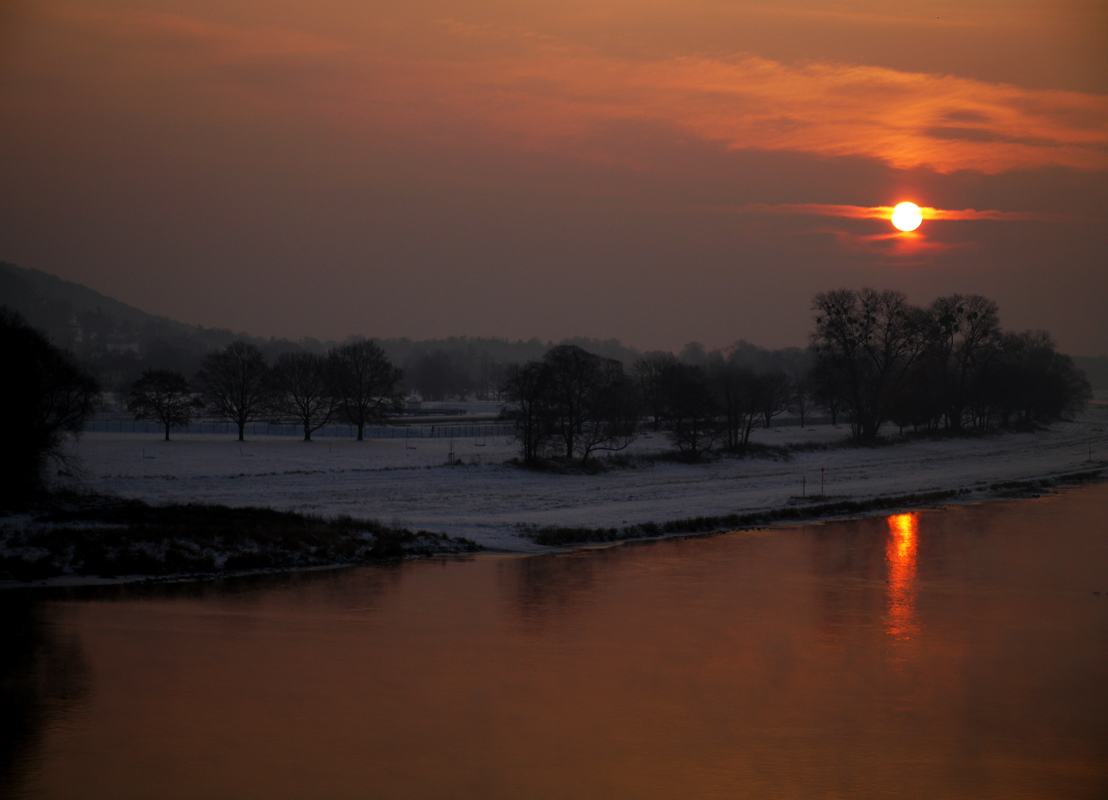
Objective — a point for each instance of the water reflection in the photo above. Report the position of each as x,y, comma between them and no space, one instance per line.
43,677
550,588
745,665
900,558
848,563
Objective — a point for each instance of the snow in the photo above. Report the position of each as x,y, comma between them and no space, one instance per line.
490,501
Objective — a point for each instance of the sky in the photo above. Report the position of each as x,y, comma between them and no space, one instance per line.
657,172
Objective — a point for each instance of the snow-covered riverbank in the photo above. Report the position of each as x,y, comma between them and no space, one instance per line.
491,502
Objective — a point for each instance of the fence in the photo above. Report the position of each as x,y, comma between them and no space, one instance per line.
327,431
449,431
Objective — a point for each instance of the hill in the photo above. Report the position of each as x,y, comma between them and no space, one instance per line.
116,341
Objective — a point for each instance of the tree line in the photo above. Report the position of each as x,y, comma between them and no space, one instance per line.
571,403
355,382
879,359
873,359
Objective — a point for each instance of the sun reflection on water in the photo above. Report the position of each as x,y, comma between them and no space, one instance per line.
900,558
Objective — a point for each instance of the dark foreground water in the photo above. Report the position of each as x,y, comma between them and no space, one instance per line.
960,653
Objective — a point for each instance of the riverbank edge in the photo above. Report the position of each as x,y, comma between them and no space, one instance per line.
821,510
556,539
88,539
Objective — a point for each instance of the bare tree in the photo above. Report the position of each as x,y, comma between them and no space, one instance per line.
612,422
47,398
235,383
526,387
737,393
304,390
366,382
651,372
580,400
774,393
693,410
963,337
870,340
163,395
1033,384
572,377
586,390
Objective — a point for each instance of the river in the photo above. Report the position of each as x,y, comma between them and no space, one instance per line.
955,653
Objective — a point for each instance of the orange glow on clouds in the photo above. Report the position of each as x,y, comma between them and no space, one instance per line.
885,212
550,97
515,87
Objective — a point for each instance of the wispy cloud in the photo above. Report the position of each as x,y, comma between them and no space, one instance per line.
549,94
886,212
897,247
888,245
824,109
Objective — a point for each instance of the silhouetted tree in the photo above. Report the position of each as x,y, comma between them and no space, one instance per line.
581,400
774,394
736,392
304,390
918,401
163,395
366,382
870,341
572,375
584,392
47,397
612,422
693,410
651,372
1033,384
963,336
235,383
526,387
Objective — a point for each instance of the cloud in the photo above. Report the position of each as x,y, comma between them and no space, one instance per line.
898,247
886,212
556,97
891,246
991,214
448,80
815,209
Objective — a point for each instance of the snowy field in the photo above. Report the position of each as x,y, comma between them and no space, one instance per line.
490,501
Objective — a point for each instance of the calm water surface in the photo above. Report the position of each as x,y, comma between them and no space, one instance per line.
960,653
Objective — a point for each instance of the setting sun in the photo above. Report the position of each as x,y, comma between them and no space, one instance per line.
907,216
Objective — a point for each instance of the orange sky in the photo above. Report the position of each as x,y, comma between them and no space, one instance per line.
658,172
